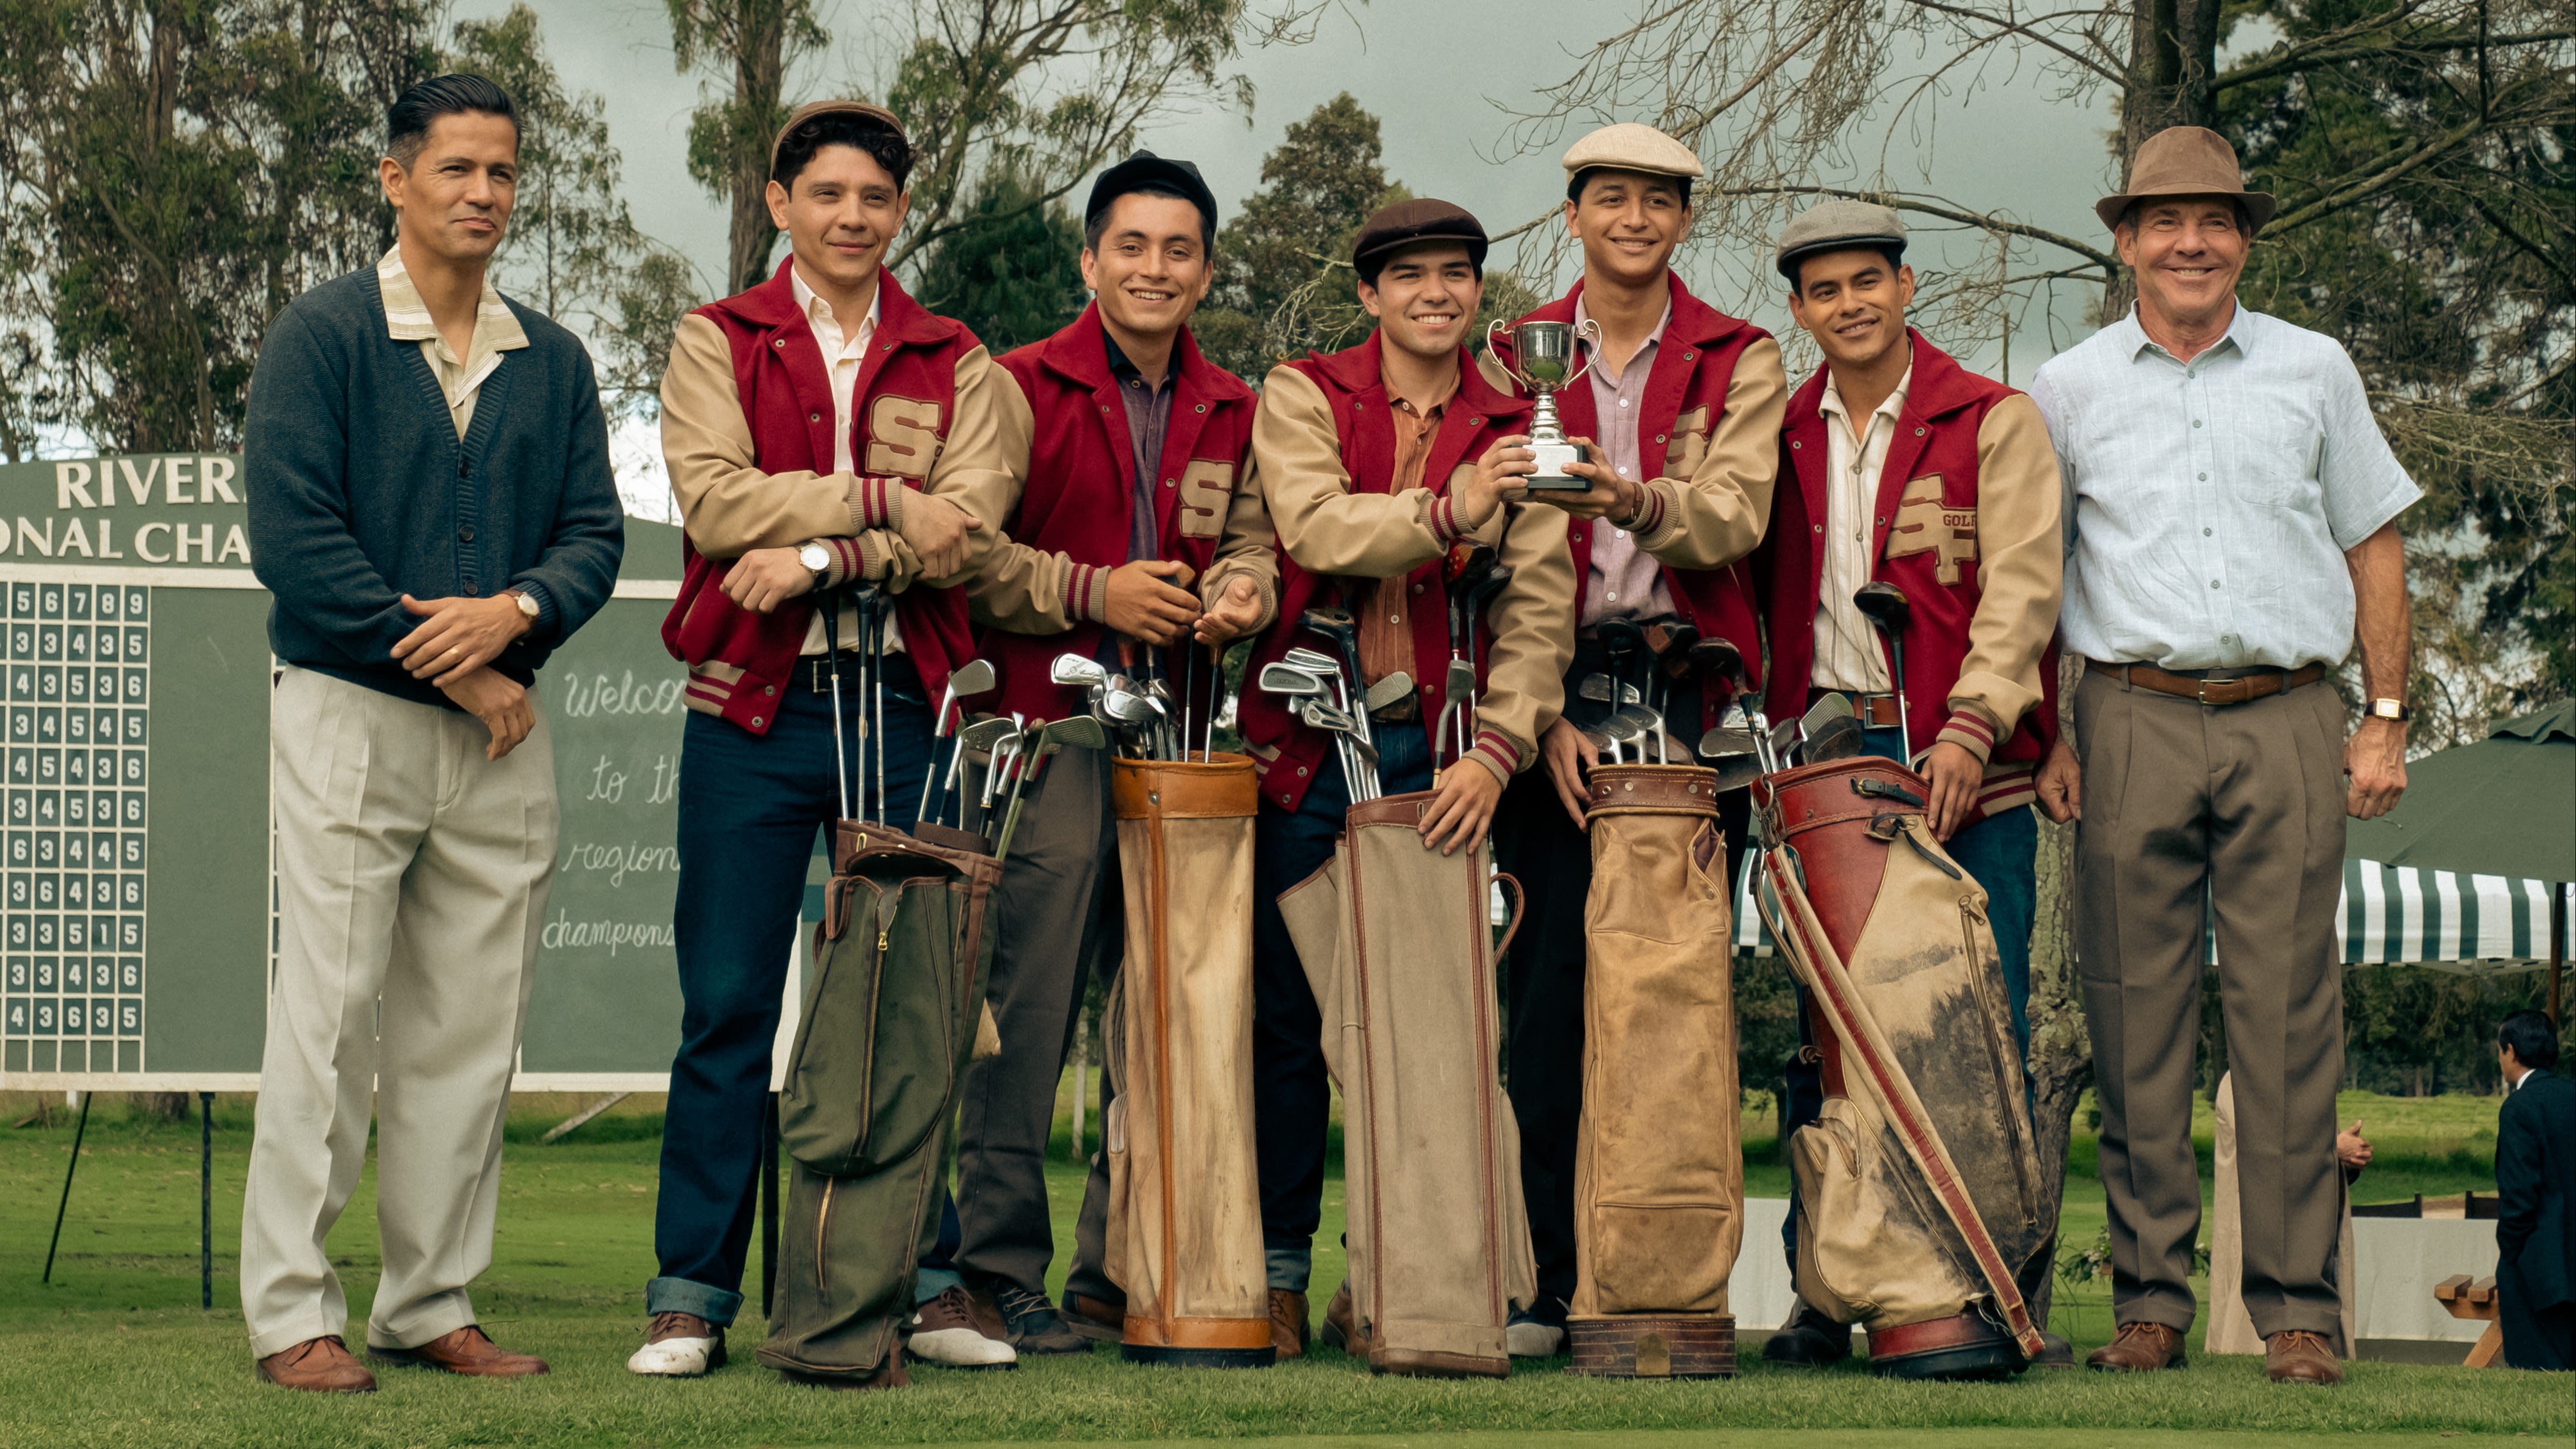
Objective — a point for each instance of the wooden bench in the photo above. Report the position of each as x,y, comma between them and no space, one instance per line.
2474,1300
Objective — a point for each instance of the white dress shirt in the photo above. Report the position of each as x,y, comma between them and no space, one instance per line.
1848,652
2209,503
841,358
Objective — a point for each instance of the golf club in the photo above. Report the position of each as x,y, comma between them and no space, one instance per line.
1389,691
1359,756
1838,739
1292,681
967,680
1078,731
982,737
1888,608
1461,693
1344,632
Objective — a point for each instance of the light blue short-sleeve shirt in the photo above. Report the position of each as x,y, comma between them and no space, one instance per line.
2209,502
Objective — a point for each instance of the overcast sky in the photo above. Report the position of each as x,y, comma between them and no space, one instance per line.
2009,147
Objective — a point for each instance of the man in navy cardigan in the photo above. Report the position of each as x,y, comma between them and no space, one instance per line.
431,508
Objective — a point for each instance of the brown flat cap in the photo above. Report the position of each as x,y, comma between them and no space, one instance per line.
812,109
1838,225
2186,161
1407,222
1629,146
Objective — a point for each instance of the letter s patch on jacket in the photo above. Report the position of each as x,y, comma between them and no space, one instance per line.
1689,445
903,437
1925,524
1207,489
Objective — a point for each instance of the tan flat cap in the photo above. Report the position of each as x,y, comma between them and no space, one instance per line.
1629,146
812,109
2186,161
1834,226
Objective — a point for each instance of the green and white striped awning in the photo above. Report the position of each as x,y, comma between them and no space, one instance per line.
2391,915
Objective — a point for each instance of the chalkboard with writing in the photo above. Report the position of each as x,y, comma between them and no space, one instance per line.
136,922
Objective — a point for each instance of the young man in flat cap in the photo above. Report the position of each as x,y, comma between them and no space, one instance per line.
2231,522
819,428
1899,466
1681,404
1136,444
1371,463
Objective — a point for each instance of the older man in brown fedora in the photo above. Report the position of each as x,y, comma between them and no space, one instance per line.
2230,522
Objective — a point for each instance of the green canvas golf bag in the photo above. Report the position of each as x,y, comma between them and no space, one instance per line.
890,1015
1918,1185
1184,1227
1399,947
1658,1162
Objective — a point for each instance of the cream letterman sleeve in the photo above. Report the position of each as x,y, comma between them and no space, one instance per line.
1717,514
1532,621
1250,547
979,467
1323,525
730,507
2020,577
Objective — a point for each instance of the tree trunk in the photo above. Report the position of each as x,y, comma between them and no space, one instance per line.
2061,1049
759,70
165,1106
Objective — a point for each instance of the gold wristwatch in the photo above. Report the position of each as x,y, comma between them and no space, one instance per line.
2394,709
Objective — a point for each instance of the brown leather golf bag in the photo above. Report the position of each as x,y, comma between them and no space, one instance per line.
1397,943
1919,1206
1659,1170
871,1090
1184,1228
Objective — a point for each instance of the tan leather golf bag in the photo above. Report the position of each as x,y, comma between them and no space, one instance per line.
1184,1229
1918,1185
1659,1162
871,1091
1396,940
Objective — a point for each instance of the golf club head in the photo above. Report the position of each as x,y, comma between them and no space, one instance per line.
1287,679
1128,709
1300,657
1621,639
1724,743
1461,681
1837,739
1390,690
1647,725
1674,657
984,735
1735,718
1467,565
1736,772
1081,732
1719,659
1823,712
1321,716
1334,624
1494,582
1885,605
1784,738
971,678
1073,670
1597,688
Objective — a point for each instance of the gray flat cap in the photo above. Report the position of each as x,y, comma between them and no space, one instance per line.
1838,225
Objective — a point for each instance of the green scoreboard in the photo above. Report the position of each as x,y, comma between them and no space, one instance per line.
137,923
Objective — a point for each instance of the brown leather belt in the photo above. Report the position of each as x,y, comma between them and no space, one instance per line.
2210,691
1875,710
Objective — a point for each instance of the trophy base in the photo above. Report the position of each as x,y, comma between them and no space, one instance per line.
1551,476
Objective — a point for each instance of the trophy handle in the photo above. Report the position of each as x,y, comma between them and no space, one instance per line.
1590,332
1491,351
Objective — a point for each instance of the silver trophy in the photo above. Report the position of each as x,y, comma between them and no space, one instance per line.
1544,352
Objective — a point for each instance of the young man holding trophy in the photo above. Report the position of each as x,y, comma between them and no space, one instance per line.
1676,407
1374,463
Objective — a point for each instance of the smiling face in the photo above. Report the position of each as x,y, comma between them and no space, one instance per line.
454,200
1424,298
840,214
1628,224
1853,303
1149,269
2186,254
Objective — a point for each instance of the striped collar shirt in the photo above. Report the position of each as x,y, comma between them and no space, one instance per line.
842,354
2209,503
1848,652
1626,582
460,379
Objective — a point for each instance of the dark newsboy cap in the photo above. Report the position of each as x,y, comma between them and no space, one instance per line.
1422,219
1144,169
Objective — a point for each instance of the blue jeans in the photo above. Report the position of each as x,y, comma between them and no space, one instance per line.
2000,853
1291,1101
752,808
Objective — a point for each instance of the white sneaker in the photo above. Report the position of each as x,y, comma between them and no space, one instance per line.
1532,1340
944,1331
679,1346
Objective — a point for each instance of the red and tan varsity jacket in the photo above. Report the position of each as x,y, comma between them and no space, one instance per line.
747,422
1709,447
1966,523
1044,590
1323,448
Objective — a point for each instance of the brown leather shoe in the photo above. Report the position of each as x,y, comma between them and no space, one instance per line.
2300,1357
318,1366
2140,1348
1342,1324
1094,1318
468,1351
987,1315
1288,1323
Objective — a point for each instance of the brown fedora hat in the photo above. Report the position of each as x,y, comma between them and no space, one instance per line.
2187,161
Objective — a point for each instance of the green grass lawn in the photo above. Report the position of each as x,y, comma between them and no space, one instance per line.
115,1351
